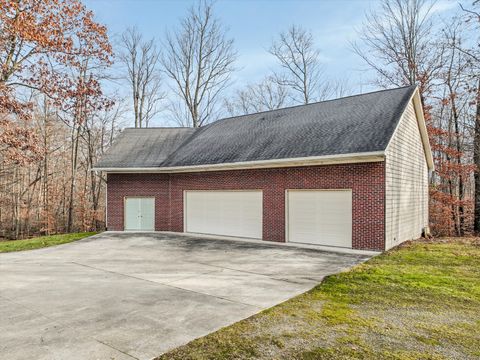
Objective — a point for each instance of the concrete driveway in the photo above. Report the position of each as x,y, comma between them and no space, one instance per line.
135,296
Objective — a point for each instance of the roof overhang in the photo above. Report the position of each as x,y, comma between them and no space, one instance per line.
260,164
417,104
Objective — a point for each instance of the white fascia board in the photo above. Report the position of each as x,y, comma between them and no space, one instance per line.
417,104
374,156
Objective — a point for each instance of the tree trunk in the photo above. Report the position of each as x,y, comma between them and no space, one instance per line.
75,140
476,160
458,147
46,207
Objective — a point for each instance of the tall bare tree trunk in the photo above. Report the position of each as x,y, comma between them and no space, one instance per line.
73,173
16,204
459,212
476,160
141,59
198,58
45,182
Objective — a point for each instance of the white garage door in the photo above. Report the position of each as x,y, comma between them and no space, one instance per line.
320,217
139,213
230,213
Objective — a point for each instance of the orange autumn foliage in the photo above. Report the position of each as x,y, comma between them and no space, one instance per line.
40,40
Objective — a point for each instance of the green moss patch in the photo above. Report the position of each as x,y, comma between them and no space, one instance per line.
419,301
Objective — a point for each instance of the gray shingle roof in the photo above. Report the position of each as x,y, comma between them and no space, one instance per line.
147,147
354,124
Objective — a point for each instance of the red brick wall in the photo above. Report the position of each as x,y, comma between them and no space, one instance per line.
366,180
121,185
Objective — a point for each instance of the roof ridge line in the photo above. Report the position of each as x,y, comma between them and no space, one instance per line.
159,127
313,103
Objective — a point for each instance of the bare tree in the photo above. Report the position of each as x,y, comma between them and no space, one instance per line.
334,89
141,60
199,59
398,44
296,52
456,112
99,130
265,95
472,17
403,45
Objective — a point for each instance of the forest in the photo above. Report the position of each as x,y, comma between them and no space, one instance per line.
61,107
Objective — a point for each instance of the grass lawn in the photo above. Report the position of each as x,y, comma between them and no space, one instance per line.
40,242
420,301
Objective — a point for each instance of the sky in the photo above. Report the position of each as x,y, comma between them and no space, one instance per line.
253,24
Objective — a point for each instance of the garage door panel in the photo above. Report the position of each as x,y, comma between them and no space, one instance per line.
231,213
320,217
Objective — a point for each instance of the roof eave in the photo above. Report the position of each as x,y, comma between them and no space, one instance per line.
374,156
417,105
418,108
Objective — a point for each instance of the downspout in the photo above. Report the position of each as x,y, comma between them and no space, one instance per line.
106,203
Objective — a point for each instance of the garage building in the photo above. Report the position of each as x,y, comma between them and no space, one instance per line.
349,173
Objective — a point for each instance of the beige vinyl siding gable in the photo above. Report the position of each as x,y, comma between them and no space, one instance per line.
406,176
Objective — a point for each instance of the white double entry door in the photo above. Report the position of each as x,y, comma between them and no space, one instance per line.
139,214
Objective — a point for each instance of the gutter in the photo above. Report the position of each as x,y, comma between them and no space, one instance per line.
374,156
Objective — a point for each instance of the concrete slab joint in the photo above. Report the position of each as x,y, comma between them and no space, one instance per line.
137,295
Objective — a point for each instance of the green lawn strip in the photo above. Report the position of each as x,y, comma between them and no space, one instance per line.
41,242
420,301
